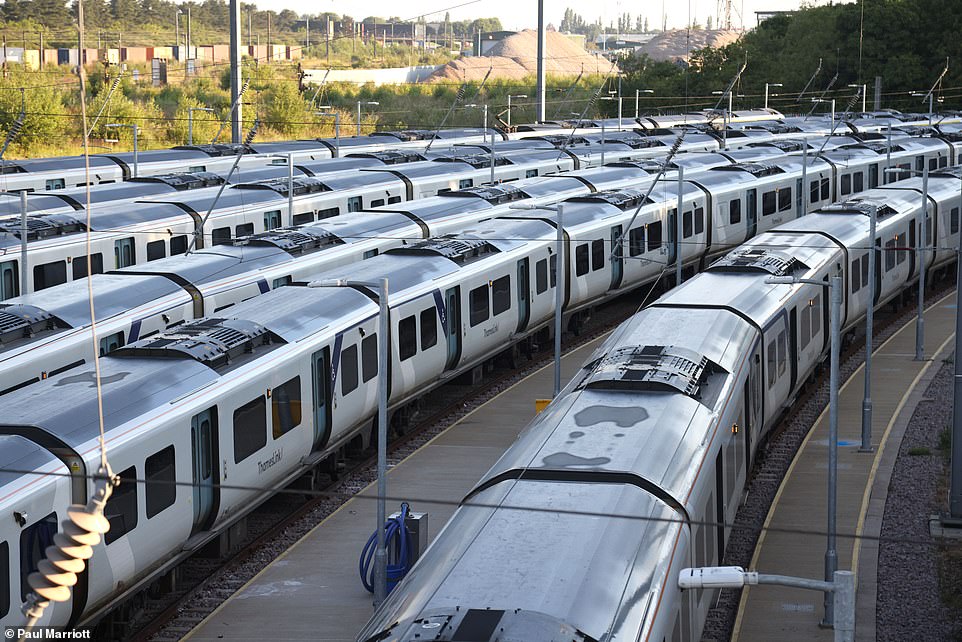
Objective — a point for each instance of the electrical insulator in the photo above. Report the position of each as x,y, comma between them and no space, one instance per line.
253,132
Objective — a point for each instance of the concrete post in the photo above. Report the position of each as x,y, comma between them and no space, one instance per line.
831,556
866,446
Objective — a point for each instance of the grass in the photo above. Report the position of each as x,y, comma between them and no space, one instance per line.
919,451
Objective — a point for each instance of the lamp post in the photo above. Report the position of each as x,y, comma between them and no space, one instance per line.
767,86
638,93
190,121
831,555
484,108
509,104
863,88
337,127
826,100
359,103
866,446
920,252
380,552
134,128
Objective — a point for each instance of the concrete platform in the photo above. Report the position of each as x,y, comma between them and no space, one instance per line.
313,591
898,383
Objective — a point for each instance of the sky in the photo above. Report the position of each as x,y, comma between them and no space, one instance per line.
516,15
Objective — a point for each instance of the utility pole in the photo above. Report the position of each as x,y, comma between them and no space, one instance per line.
235,69
270,49
541,54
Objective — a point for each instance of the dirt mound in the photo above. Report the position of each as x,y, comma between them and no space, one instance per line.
516,57
675,44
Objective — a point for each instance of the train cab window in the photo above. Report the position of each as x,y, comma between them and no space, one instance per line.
393,199
49,275
541,276
55,183
112,342
636,241
4,579
872,176
429,328
246,229
826,189
407,338
197,168
368,357
856,275
281,282
785,199
858,182
159,474
954,221
889,255
465,183
250,428
805,328
735,212
9,280
770,362
686,225
124,252
121,509
581,259
943,161
782,352
501,294
34,540
328,213
303,217
478,305
553,269
354,204
348,369
178,244
654,236
370,254
846,184
769,203
816,310
378,202
901,255
933,163
813,191
597,255
865,269
156,250
699,220
919,163
286,407
530,173
79,265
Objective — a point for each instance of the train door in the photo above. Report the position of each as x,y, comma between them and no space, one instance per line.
799,195
617,262
672,234
8,280
751,212
452,300
878,272
912,243
321,372
793,347
524,294
203,439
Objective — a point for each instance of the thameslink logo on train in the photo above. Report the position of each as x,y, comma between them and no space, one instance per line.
263,466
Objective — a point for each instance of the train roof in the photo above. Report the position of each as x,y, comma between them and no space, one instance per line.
36,203
199,201
217,262
365,224
54,164
332,165
19,453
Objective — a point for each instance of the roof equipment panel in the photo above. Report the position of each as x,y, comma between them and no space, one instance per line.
461,250
392,157
759,260
294,241
755,169
183,180
494,194
24,321
43,226
857,206
477,161
302,185
656,368
624,199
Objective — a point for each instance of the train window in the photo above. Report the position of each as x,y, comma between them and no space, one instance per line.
407,338
785,199
826,191
541,276
178,244
478,303
933,163
654,236
79,265
902,254
220,236
782,352
553,271
354,204
4,579
770,362
286,407
55,183
159,475
124,252
919,163
156,250
34,539
805,328
501,294
858,182
49,274
302,218
272,220
378,202
846,184
636,241
111,342
9,280
700,544
856,275
197,168
872,176
865,270
954,221
328,213
769,203
699,220
530,173
735,212
465,183
813,191
943,161
281,282
348,369
816,310
250,428
597,255
368,357
393,199
246,229
429,328
581,259
121,509
686,230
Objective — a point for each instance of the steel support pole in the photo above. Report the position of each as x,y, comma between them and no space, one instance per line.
337,134
509,111
358,124
236,135
637,103
492,157
922,247
866,446
679,227
190,126
766,96
24,288
619,103
888,154
831,556
602,143
380,553
805,189
541,54
290,187
955,477
136,172
559,299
